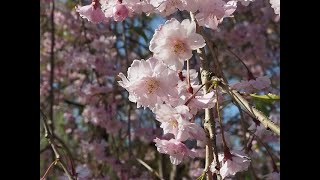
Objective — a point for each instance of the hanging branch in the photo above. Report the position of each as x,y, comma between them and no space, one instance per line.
274,164
209,123
238,98
52,66
214,53
149,168
50,137
250,109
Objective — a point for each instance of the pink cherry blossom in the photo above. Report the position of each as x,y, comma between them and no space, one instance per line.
139,6
260,83
175,121
194,80
199,152
91,12
190,131
199,101
172,118
212,12
149,82
192,5
167,7
176,149
231,165
120,12
127,8
252,85
173,42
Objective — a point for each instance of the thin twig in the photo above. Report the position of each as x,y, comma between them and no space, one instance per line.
274,165
53,163
194,94
214,53
129,108
52,66
160,165
148,167
219,118
50,136
244,128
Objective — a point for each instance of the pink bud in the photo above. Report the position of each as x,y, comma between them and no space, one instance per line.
120,12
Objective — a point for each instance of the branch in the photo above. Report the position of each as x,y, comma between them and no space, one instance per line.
73,103
129,108
209,123
214,52
250,109
45,174
160,165
52,66
244,128
50,137
173,173
274,165
148,167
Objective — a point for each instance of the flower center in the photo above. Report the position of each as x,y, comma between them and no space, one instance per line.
152,85
173,123
179,47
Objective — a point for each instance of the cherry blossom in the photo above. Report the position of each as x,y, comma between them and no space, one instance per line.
120,12
173,42
174,148
231,163
149,82
175,121
167,7
212,12
92,12
253,85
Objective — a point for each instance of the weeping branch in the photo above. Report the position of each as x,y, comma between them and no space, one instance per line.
209,123
250,109
50,137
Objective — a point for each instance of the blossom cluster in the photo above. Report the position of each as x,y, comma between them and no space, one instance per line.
209,13
161,84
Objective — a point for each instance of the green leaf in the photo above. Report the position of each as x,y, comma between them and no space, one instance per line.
262,105
263,102
269,96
